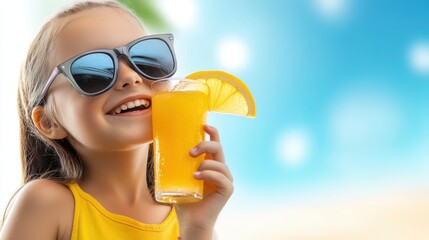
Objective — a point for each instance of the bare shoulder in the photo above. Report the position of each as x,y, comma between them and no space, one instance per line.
46,194
43,208
45,190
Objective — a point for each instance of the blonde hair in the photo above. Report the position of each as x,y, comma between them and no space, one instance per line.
43,157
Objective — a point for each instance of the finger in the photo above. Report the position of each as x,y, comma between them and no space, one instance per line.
212,132
216,166
209,147
223,184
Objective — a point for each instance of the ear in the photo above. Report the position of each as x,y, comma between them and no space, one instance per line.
45,125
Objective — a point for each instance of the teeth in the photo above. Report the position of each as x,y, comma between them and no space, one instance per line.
132,104
137,103
145,103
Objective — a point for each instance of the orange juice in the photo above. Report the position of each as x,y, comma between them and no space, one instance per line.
177,119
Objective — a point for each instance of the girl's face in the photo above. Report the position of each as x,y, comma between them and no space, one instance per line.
90,121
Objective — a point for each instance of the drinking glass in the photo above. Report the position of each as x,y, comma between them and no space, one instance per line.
179,110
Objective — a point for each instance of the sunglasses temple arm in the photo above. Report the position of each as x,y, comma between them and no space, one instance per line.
47,85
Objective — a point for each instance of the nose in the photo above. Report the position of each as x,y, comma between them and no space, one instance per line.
127,77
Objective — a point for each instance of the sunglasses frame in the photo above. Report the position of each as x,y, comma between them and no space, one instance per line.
114,54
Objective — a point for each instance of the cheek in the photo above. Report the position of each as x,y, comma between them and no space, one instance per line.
81,119
89,127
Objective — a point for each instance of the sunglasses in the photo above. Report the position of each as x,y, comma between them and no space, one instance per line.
95,72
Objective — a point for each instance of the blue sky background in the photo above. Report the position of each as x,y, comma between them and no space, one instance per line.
341,89
344,81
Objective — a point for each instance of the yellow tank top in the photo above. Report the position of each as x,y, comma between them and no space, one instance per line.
92,221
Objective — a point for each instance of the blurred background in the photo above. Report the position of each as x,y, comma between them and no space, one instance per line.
340,145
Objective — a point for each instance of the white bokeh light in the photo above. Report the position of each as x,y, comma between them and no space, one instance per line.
331,9
418,57
293,147
232,53
181,14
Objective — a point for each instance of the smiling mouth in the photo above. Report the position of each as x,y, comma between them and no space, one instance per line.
131,106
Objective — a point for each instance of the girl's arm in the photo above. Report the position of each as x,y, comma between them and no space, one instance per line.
39,211
197,220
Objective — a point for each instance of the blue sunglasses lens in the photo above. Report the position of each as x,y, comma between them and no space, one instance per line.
93,73
152,57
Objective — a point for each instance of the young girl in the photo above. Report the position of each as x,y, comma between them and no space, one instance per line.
86,135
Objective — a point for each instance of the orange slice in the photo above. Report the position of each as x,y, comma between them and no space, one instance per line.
228,94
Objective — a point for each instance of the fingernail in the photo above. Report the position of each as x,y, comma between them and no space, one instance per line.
197,174
194,150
